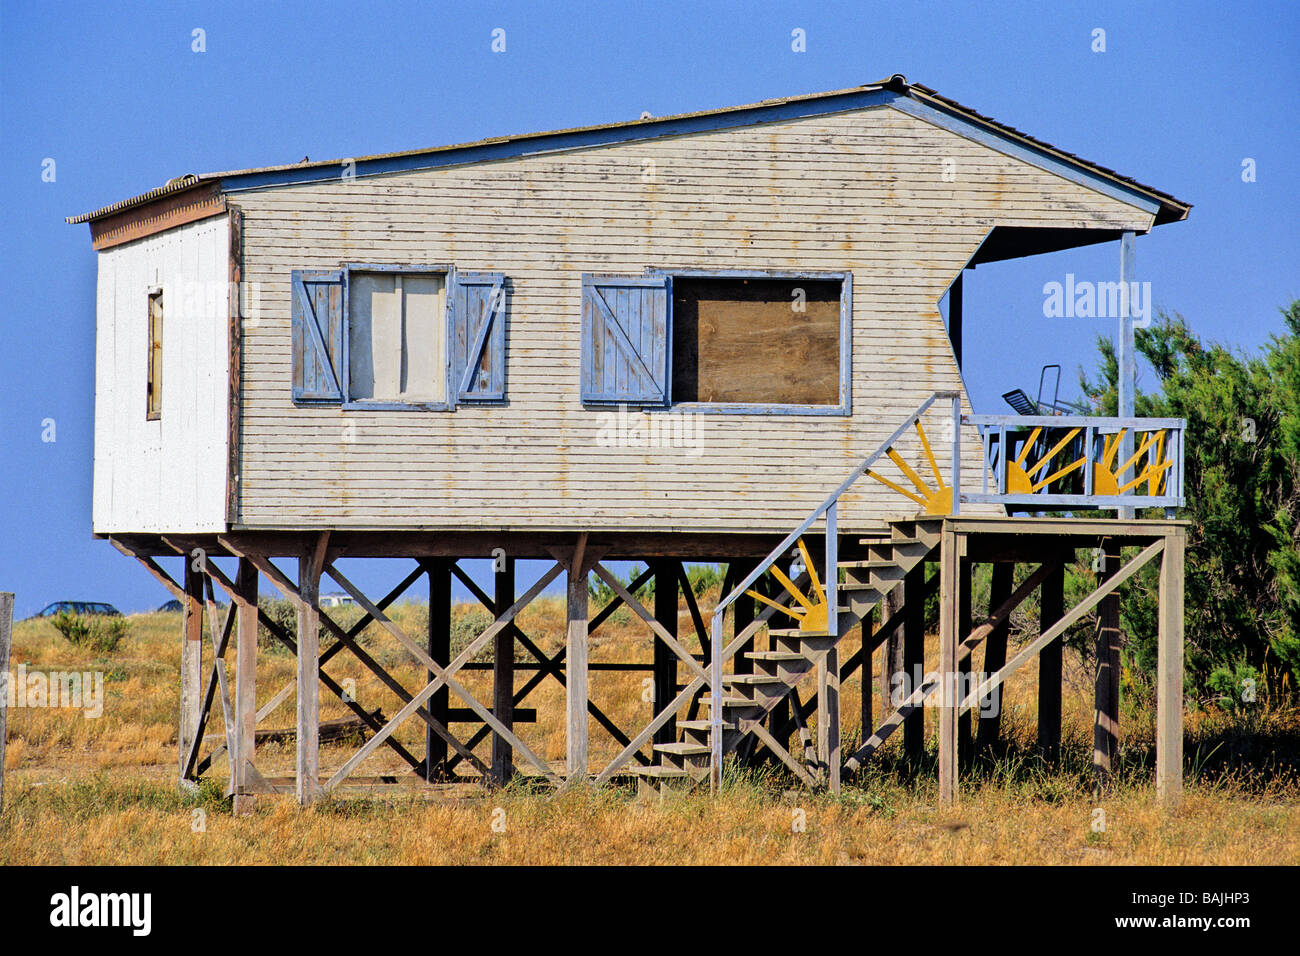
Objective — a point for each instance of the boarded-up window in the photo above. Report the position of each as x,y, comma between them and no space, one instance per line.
153,399
396,337
756,340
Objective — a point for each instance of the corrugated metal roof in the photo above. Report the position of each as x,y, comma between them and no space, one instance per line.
1174,208
179,184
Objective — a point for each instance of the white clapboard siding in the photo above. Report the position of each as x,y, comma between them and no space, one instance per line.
168,474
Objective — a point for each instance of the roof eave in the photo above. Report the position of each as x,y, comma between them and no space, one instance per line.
1169,208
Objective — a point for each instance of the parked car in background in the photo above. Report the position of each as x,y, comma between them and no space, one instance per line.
336,600
79,607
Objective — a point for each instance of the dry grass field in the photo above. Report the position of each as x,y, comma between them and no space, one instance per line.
102,790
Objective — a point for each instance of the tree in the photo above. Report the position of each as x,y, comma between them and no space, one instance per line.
1242,462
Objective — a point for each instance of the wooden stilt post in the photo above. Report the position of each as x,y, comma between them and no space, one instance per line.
307,777
995,656
1105,736
949,622
439,646
965,582
1169,699
503,674
1051,608
191,660
576,667
742,610
914,657
828,718
779,720
665,661
867,673
828,672
891,659
245,741
6,639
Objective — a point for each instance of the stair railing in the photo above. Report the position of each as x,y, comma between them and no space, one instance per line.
829,510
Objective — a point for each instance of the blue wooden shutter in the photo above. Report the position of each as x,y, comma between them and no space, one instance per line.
317,312
476,337
625,339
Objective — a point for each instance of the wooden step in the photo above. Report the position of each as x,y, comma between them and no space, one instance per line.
908,549
926,529
745,679
794,632
788,665
777,656
683,749
732,701
879,574
661,771
705,725
861,595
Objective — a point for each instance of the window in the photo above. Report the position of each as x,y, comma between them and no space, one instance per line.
398,337
153,392
720,342
396,333
756,341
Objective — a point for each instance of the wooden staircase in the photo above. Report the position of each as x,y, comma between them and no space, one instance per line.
793,654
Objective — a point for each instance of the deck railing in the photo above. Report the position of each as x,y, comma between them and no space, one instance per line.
1074,462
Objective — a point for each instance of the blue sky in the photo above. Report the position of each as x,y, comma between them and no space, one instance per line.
116,97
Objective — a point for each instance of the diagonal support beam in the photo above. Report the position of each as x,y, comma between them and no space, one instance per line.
688,692
660,631
151,566
1060,627
765,737
444,675
918,696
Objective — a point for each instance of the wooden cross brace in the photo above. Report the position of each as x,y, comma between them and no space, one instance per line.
687,693
548,666
443,676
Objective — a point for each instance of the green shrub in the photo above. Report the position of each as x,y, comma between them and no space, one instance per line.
283,613
92,632
703,577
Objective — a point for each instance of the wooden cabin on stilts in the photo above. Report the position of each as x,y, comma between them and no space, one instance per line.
711,337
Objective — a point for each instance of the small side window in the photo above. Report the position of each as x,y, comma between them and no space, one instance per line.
153,398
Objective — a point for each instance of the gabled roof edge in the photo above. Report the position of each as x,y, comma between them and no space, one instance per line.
885,92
